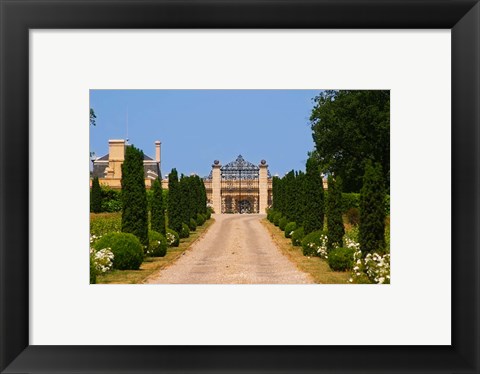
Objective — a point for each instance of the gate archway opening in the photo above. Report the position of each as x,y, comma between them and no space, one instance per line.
239,187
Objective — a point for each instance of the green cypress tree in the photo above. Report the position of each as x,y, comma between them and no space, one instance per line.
300,199
275,181
203,191
200,195
96,196
290,195
174,202
184,199
313,188
372,210
134,195
194,196
158,211
281,195
335,227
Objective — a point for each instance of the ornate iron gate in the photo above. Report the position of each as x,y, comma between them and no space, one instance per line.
239,187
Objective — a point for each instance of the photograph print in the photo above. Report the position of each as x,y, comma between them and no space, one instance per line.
239,187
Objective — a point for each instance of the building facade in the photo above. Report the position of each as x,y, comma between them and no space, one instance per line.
236,187
108,168
239,187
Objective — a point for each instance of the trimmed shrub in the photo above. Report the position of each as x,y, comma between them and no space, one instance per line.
335,227
134,195
111,199
313,188
173,239
209,213
185,201
289,229
272,216
315,244
157,219
185,232
269,214
192,225
353,216
276,218
126,248
96,197
158,244
111,206
174,207
282,223
341,259
372,210
301,198
200,219
298,236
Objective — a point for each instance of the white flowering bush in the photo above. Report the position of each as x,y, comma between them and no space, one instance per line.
350,243
377,267
170,238
147,250
373,268
94,238
173,239
102,260
322,247
126,248
315,244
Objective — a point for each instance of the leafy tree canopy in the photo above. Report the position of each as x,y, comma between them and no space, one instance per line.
350,127
92,117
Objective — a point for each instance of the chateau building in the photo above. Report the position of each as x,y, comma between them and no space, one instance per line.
236,187
108,168
239,187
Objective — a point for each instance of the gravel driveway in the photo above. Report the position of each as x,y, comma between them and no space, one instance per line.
235,250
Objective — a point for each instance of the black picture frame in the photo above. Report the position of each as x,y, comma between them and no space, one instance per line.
17,17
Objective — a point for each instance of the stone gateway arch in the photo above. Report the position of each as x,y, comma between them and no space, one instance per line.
239,187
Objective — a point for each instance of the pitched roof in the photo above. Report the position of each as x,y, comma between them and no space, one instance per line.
105,158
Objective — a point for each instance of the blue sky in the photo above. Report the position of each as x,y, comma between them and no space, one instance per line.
197,127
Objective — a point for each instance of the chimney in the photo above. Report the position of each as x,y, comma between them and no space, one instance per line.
116,156
116,149
157,151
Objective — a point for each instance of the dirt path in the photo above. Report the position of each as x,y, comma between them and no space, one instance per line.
236,250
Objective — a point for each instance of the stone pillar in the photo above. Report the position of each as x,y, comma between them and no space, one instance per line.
116,156
216,187
263,187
